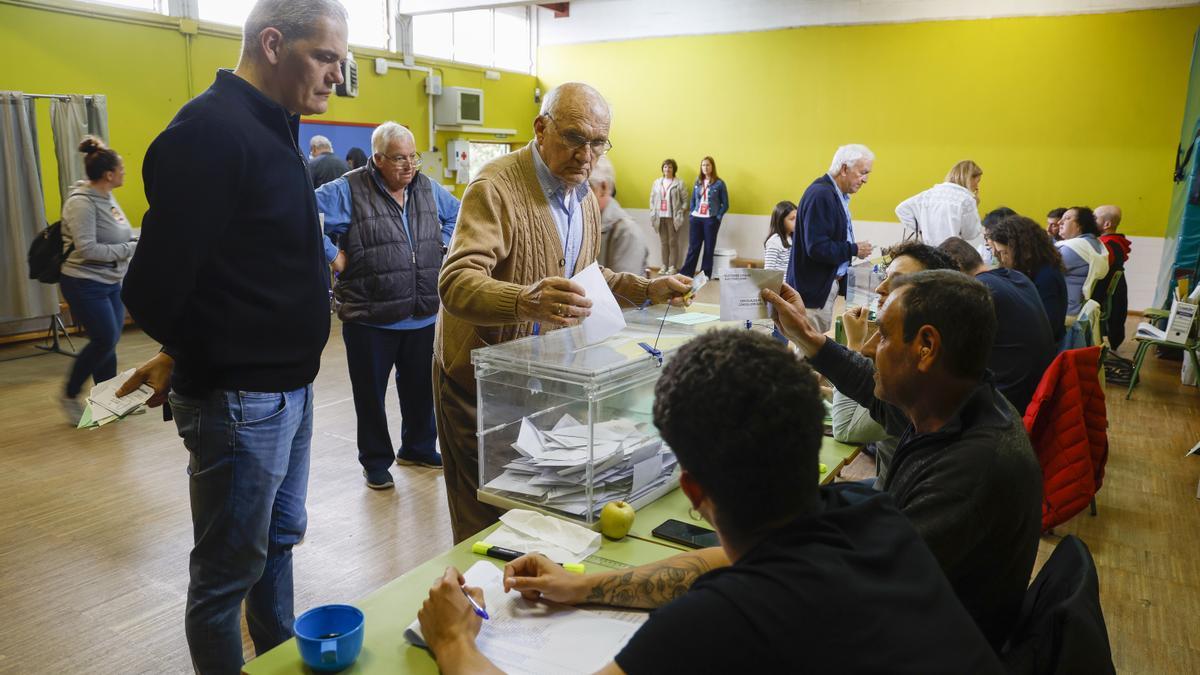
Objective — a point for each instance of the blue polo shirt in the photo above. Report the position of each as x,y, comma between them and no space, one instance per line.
845,266
565,204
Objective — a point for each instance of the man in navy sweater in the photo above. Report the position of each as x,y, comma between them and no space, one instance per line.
825,242
230,277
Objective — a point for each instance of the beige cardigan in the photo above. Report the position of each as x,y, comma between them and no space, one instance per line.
506,240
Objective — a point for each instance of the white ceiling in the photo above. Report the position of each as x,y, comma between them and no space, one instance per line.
431,6
603,20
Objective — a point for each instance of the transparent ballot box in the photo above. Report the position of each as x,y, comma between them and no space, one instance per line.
565,428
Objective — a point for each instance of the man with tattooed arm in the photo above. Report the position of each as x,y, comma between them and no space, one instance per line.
799,568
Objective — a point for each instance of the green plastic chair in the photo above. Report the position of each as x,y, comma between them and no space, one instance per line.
1145,343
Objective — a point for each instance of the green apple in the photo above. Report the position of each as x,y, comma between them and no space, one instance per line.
616,518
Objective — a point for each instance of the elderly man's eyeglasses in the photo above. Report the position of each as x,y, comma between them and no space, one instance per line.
413,160
574,141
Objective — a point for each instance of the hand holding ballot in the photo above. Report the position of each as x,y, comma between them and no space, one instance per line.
791,318
673,288
554,301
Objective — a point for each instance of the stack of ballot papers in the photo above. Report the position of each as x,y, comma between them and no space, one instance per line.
551,468
524,636
104,406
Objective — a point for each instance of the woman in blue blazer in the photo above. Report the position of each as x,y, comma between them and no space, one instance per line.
710,201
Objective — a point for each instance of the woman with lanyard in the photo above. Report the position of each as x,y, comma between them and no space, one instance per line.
668,213
710,201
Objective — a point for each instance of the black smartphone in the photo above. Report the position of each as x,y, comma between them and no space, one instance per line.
692,536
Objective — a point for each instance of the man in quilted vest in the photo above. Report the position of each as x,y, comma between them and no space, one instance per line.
528,223
392,225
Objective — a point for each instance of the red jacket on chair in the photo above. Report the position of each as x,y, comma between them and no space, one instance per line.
1068,428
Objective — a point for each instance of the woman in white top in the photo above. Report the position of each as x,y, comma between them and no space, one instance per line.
668,213
777,249
949,209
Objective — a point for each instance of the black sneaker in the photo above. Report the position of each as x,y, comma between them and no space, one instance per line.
379,479
432,460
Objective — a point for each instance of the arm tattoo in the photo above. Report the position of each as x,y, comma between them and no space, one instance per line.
648,586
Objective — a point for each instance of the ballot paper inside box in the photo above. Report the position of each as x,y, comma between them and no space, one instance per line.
566,427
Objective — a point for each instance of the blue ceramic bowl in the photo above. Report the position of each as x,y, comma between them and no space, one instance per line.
330,636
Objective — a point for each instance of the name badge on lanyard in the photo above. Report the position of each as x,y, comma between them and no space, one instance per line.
704,199
662,204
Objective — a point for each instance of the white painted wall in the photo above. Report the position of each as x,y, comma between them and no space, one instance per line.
605,20
745,234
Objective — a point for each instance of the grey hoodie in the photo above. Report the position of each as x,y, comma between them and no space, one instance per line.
101,234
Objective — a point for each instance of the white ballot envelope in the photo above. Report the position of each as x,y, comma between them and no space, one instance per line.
606,319
741,292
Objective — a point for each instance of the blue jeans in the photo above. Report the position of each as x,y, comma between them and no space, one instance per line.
248,469
702,231
371,353
97,306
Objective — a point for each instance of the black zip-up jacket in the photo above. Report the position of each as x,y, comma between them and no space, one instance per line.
230,274
973,489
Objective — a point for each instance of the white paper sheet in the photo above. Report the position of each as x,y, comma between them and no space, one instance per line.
540,637
104,395
529,531
606,319
741,292
691,318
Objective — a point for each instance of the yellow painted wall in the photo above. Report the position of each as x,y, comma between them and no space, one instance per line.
143,70
1059,111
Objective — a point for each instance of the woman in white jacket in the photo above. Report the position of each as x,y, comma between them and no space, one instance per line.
949,209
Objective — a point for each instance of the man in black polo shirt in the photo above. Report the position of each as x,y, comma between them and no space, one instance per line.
230,278
964,472
800,568
1024,344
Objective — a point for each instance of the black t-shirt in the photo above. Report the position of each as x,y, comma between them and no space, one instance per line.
850,589
1024,344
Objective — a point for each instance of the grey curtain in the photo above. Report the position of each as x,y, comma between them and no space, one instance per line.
71,118
22,211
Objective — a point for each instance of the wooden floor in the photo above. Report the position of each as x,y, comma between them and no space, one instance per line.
96,529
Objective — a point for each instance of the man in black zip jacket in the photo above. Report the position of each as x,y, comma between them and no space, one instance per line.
964,472
230,278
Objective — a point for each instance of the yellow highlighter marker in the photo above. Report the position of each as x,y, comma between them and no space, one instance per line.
507,554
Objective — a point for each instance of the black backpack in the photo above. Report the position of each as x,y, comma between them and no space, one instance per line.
46,254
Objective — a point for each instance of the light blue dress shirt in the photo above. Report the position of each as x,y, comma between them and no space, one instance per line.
565,204
845,266
333,199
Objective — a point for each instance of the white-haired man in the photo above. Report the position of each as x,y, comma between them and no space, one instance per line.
230,278
824,239
393,225
622,247
528,223
322,163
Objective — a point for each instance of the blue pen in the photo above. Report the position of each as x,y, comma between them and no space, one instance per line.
478,610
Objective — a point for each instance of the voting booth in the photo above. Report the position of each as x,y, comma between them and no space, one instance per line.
566,427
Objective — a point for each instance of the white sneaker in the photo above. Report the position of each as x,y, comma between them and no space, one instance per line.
72,408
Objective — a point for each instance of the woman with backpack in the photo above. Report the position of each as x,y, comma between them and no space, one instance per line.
97,245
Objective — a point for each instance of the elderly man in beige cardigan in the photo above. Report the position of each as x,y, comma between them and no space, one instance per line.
527,224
